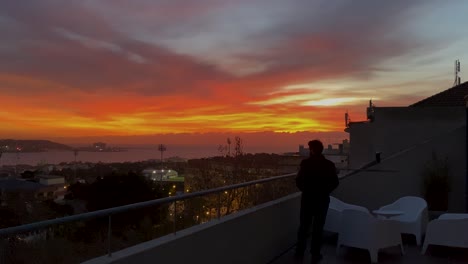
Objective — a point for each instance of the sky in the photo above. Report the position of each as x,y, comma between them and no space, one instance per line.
132,68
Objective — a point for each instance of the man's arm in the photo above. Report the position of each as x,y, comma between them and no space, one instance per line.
334,181
300,178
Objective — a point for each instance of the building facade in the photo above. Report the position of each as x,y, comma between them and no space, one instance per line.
405,138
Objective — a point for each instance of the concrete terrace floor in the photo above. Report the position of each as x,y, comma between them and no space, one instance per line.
434,254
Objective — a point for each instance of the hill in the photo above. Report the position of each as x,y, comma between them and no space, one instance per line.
13,145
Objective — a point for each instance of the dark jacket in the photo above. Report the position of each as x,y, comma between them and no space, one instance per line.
317,177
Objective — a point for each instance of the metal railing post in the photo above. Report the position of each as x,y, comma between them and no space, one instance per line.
3,250
466,153
109,236
175,218
219,205
257,199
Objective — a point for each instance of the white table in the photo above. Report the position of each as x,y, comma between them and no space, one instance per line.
387,213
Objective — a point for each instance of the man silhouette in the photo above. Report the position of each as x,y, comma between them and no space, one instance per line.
316,179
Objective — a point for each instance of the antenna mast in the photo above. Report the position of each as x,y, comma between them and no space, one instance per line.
457,71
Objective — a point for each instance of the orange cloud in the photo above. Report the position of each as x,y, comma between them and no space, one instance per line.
72,71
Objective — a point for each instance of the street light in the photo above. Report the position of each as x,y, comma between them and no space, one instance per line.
75,152
18,149
162,148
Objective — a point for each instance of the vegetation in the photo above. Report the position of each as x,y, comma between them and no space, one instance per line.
233,167
103,186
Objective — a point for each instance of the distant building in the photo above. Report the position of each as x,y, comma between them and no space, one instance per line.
56,184
343,149
346,146
99,146
32,191
51,180
303,152
160,174
338,155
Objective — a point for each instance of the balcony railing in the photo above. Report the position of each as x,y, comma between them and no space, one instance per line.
83,236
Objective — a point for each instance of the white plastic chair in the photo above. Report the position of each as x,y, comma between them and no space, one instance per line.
362,230
414,219
336,207
447,230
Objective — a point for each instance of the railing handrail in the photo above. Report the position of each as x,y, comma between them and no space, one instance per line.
128,207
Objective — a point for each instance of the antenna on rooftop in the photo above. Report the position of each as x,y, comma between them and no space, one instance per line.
346,117
370,111
457,71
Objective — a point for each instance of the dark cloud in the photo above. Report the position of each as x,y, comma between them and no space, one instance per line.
71,44
337,38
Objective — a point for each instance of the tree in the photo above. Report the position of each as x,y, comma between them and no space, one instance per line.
115,190
8,217
229,146
239,146
222,150
28,174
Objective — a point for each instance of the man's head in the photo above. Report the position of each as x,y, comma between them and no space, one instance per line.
315,147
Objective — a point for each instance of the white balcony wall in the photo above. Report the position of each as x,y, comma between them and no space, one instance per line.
256,235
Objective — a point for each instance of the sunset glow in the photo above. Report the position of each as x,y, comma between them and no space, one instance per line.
98,68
